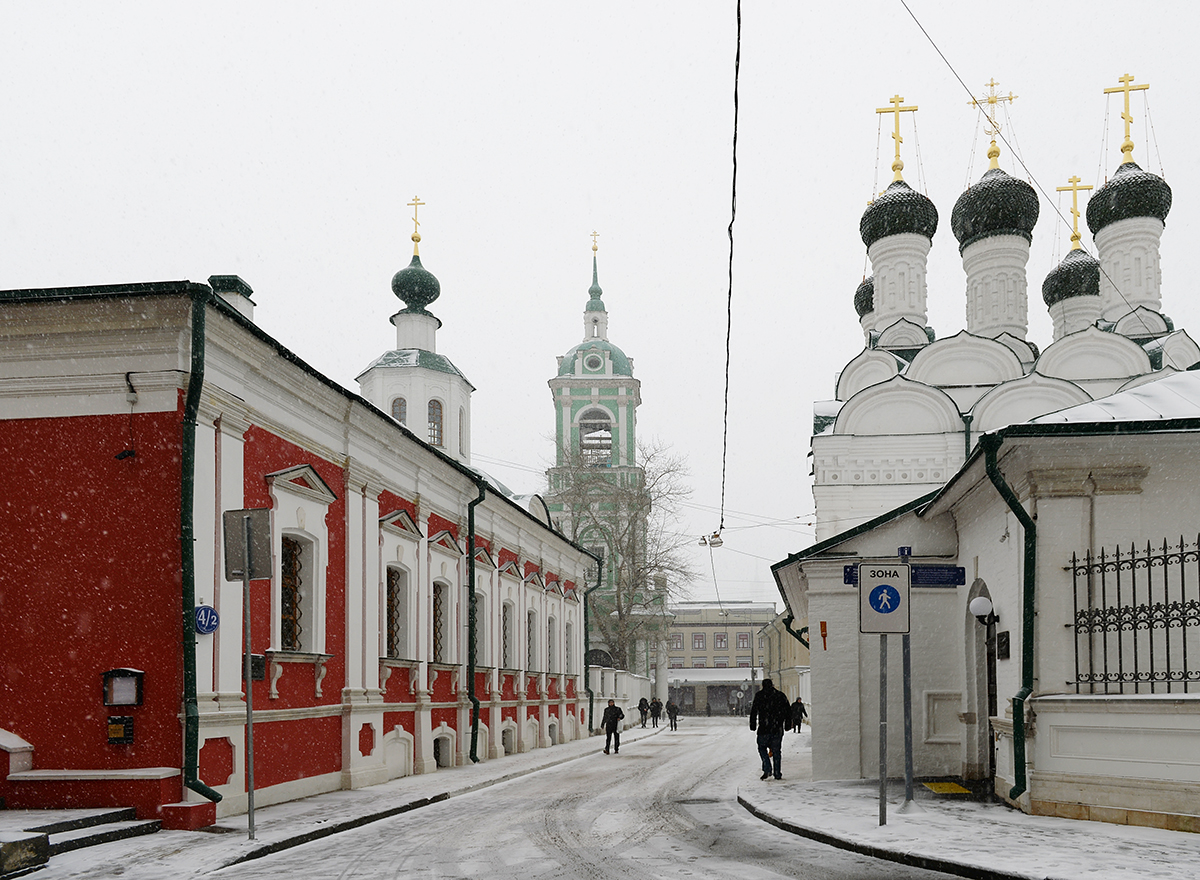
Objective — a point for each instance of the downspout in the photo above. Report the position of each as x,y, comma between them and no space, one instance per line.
587,643
472,614
967,419
187,495
991,445
798,636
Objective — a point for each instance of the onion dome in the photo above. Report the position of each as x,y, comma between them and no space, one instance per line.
899,209
416,286
999,204
864,297
1077,275
1130,192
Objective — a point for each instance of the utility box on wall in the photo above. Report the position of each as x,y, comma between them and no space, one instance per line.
123,687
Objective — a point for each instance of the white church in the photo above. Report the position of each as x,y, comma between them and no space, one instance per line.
1062,481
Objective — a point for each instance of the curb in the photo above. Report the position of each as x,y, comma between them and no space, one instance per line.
961,869
268,849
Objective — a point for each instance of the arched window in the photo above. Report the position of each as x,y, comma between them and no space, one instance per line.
506,636
595,438
435,423
568,667
551,665
400,410
531,639
439,623
296,594
462,431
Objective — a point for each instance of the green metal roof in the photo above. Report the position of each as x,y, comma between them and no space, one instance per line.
417,357
620,363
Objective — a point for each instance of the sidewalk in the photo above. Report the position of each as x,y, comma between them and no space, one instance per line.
962,837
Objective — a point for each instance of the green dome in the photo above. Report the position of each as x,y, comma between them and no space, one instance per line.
416,286
620,363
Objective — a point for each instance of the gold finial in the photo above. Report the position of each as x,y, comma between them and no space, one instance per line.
896,101
989,113
594,245
1127,146
1074,189
415,204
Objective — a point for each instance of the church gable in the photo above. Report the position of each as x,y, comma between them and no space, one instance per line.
1024,399
899,406
870,367
964,359
1093,354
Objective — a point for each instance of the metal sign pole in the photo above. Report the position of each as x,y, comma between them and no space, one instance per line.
908,737
248,676
883,728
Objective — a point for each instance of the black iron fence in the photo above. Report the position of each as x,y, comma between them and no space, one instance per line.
1137,619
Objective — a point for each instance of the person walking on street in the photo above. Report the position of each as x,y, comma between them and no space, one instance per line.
644,709
655,711
770,715
611,722
673,714
799,713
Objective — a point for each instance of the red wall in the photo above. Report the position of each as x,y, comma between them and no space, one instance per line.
90,580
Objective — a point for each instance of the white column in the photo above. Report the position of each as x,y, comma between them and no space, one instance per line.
898,263
997,300
1128,253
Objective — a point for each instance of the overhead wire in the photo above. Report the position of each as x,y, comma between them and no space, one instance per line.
737,64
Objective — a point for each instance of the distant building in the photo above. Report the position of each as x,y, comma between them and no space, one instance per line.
785,658
711,635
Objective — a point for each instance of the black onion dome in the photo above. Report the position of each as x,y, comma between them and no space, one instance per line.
1077,275
864,297
999,204
899,209
1130,192
416,285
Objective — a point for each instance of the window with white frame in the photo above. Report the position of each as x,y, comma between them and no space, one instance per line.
720,641
743,641
295,593
697,641
435,423
551,664
300,500
462,431
400,410
396,616
568,654
531,639
676,643
439,622
506,635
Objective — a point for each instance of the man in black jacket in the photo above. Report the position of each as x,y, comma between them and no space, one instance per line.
770,715
611,722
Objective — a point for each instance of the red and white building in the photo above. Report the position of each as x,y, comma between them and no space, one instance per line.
132,417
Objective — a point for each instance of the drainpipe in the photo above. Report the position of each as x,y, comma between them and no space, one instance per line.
991,445
798,636
472,636
187,494
587,643
967,419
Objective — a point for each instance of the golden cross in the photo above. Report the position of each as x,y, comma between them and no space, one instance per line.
896,101
992,100
415,204
1074,189
1127,146
594,246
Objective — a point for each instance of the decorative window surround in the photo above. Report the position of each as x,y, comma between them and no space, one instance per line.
300,500
277,659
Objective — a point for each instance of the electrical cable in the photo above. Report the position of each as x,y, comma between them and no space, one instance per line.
737,64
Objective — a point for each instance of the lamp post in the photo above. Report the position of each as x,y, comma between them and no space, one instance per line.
983,610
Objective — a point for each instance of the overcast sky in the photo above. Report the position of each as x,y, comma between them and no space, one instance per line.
282,141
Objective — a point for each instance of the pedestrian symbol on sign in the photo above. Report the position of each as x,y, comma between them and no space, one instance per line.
884,598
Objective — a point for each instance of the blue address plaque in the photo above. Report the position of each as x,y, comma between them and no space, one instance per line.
207,620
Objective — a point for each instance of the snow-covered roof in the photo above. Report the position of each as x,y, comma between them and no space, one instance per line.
1173,397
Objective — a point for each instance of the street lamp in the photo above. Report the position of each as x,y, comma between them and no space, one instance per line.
981,607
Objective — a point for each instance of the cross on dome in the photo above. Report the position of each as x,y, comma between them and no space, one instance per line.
1074,189
992,100
415,204
1127,87
897,101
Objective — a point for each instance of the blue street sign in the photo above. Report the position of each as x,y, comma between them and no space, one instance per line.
884,599
923,575
207,620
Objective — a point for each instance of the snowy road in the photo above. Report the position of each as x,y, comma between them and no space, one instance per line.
664,807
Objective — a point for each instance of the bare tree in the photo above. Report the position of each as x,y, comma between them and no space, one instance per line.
631,515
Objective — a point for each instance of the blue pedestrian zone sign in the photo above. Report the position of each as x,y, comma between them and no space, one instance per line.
883,590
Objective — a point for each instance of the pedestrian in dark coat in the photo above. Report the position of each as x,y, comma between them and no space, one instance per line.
644,709
799,713
656,708
611,723
673,714
770,715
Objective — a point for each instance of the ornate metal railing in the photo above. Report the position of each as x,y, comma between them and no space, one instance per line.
1137,619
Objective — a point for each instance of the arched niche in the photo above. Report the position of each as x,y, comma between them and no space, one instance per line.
870,367
1023,399
1093,354
899,406
965,359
